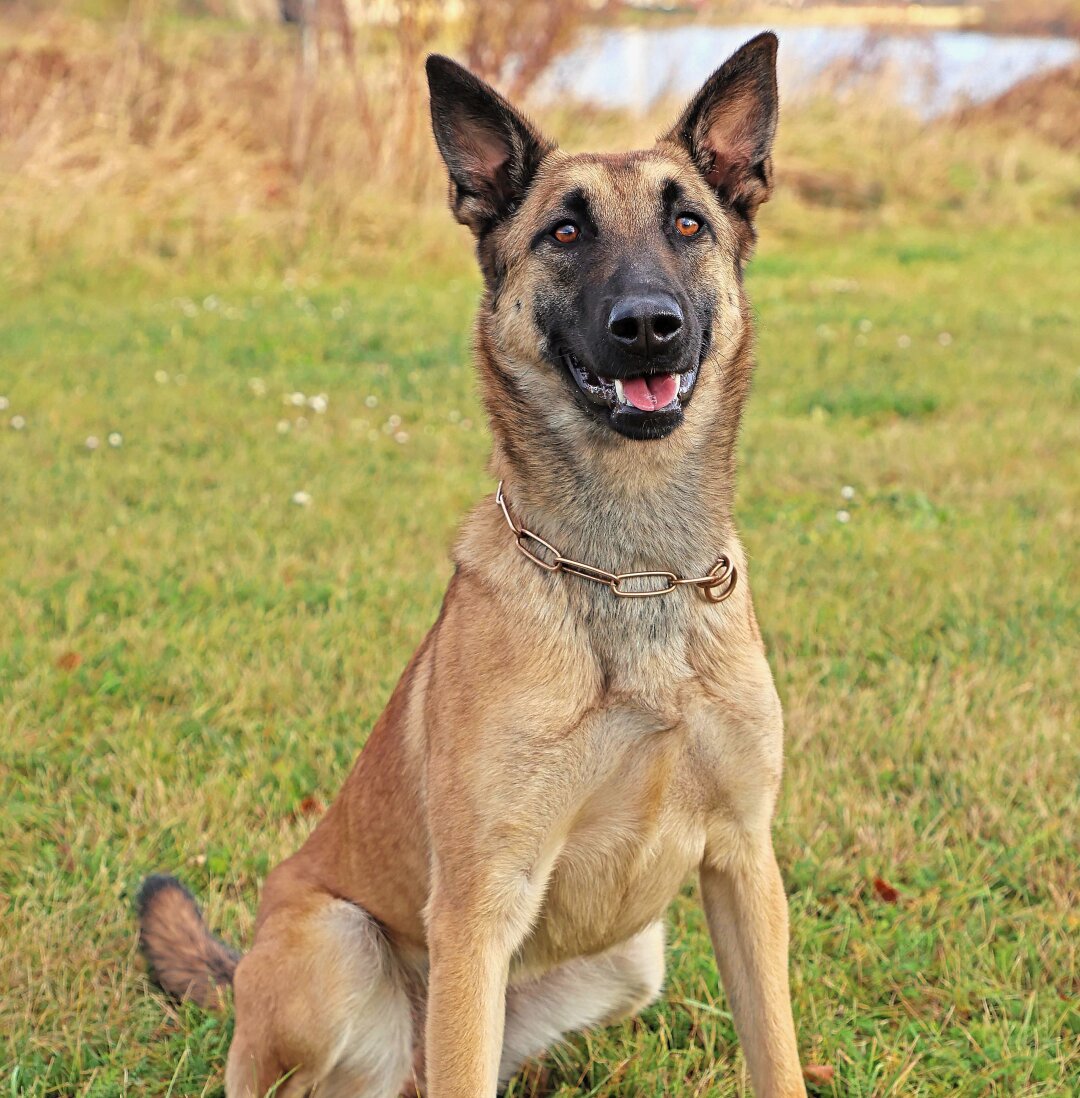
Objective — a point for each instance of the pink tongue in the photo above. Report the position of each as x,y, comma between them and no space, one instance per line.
652,392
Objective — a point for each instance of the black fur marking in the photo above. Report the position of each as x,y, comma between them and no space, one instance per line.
673,197
159,882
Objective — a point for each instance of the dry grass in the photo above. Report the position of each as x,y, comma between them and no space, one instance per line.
1033,16
1044,106
151,137
156,141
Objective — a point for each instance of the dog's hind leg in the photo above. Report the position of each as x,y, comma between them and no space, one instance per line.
321,1007
585,992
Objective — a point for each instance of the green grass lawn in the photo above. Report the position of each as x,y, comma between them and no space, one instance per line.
189,660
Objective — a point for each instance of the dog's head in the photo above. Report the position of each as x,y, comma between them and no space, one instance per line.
614,282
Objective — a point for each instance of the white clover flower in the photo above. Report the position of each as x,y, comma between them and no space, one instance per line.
210,302
318,403
115,439
402,437
847,492
180,379
944,339
824,331
337,312
18,423
92,442
454,415
866,325
283,426
394,421
302,499
257,386
4,404
161,377
843,516
371,401
297,399
903,342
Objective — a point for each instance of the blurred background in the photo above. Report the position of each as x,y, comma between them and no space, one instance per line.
239,427
256,130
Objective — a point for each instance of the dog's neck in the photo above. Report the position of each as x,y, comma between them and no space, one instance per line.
655,507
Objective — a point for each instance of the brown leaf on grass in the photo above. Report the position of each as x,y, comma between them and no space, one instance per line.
822,1074
310,806
69,661
885,891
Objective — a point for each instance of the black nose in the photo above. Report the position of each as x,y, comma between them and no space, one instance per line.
645,324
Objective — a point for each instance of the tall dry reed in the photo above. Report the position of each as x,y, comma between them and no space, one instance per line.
191,139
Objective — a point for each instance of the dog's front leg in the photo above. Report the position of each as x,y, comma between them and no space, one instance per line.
466,1006
480,913
747,914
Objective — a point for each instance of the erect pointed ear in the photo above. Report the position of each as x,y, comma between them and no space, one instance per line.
729,126
491,151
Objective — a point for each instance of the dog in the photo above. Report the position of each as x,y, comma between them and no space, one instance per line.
570,742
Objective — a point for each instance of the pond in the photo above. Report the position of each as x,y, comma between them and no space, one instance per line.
930,71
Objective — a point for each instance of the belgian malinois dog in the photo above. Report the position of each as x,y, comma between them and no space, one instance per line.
592,717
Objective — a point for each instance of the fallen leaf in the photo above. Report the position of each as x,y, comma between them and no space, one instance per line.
822,1074
310,806
69,661
885,891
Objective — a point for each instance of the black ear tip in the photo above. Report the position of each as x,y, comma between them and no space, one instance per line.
762,45
441,69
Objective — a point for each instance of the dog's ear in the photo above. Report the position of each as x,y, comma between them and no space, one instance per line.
491,151
729,126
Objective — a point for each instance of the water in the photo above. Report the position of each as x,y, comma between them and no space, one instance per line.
931,71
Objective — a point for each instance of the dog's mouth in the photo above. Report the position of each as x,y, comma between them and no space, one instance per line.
642,406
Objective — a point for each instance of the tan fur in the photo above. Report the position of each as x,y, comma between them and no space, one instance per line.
554,762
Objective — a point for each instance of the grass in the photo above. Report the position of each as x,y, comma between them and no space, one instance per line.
189,661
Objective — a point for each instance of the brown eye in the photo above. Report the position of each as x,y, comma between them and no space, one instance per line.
687,225
566,234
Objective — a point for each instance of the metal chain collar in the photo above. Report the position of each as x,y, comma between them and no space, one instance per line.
717,585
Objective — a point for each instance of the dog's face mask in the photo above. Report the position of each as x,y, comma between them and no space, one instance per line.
613,281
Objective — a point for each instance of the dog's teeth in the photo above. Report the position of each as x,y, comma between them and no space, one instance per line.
619,392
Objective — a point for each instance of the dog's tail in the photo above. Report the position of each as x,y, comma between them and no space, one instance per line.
185,959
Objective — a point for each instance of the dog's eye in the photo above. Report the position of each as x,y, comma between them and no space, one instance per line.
687,225
567,233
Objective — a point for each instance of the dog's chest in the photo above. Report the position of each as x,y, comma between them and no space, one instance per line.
639,647
637,833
